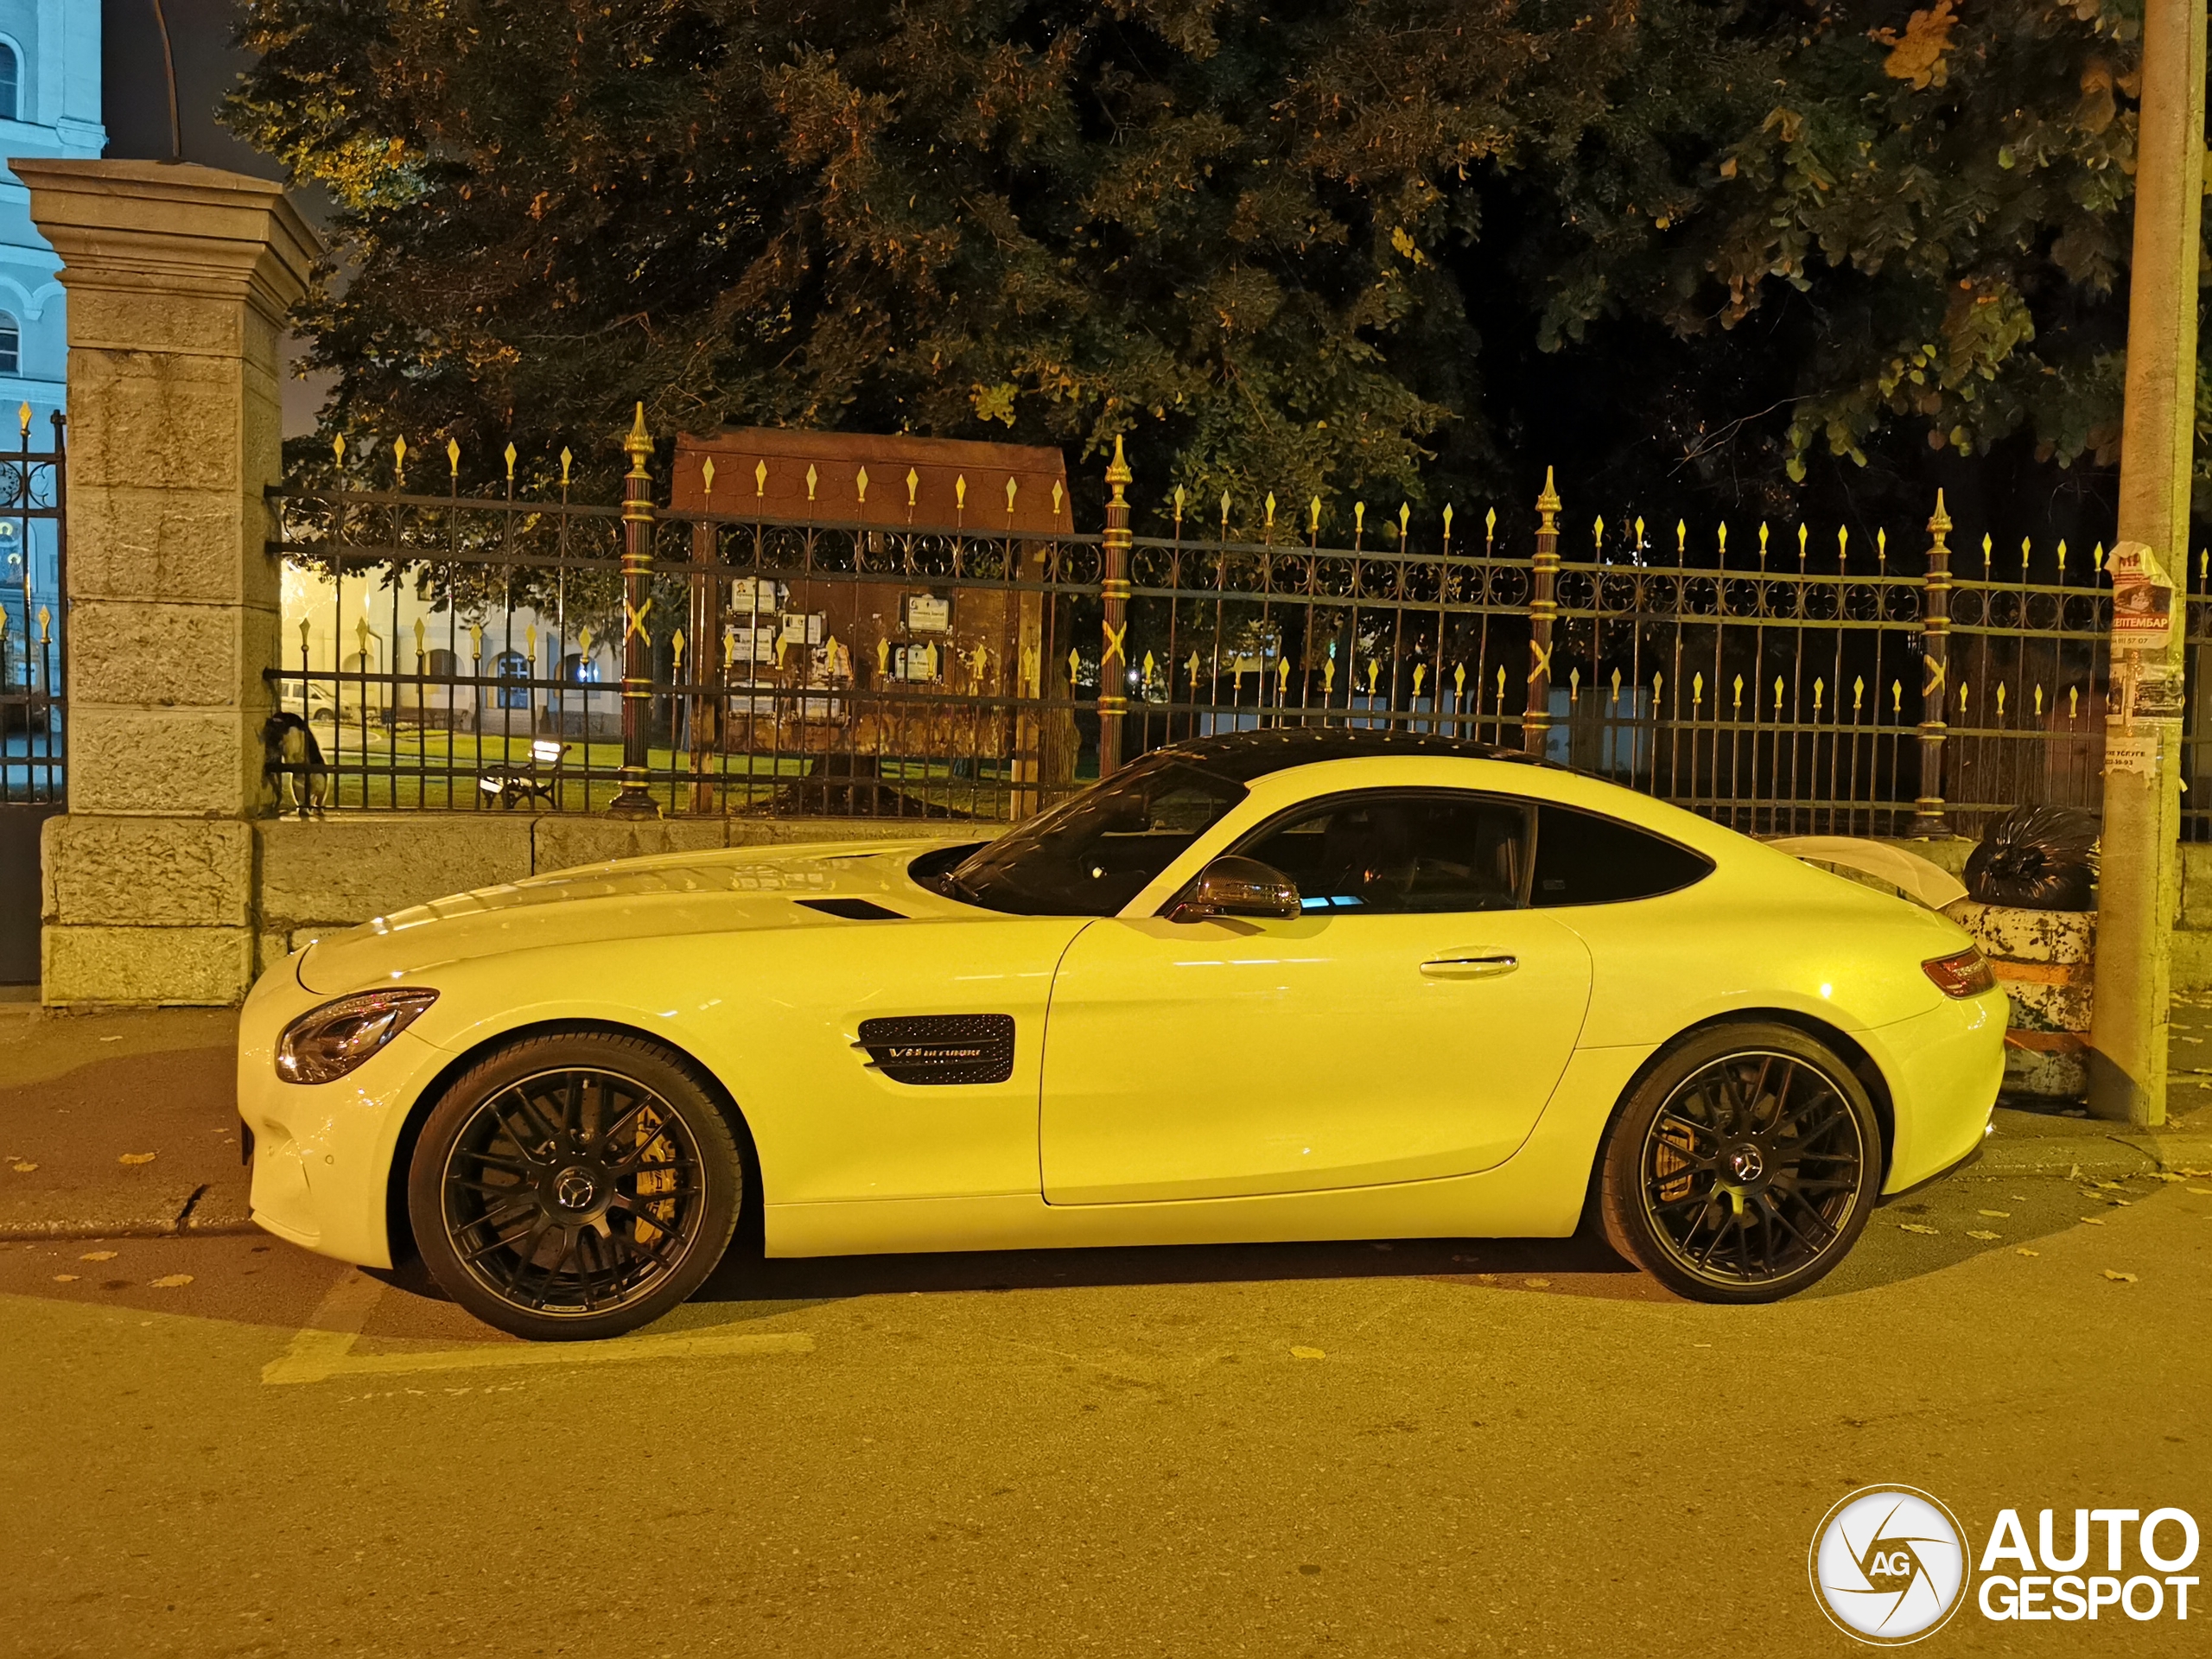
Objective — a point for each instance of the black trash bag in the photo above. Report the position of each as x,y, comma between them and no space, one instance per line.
2036,858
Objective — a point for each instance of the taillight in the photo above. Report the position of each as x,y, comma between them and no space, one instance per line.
1963,975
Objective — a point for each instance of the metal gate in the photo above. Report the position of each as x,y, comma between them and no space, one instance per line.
33,673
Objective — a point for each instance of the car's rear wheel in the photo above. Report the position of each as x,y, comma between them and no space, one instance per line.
575,1184
1742,1167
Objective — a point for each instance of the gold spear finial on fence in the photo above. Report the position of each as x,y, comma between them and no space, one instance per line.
1313,516
511,463
639,446
453,456
399,459
1011,486
813,479
1940,525
566,458
1548,506
1267,509
859,484
1117,470
24,419
338,450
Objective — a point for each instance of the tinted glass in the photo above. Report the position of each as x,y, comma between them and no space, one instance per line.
1387,852
1582,858
1090,855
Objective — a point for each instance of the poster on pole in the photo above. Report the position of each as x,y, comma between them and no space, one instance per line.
2142,598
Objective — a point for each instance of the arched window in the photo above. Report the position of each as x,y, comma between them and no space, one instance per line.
513,665
11,338
10,77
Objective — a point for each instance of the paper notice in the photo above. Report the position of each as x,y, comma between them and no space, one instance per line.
2135,752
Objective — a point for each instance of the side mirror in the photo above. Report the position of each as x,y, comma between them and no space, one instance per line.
1238,887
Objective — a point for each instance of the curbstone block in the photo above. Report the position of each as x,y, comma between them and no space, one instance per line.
146,872
146,967
347,867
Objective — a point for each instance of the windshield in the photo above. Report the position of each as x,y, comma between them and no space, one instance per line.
1092,854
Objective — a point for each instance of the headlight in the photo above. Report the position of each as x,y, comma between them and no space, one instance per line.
324,1045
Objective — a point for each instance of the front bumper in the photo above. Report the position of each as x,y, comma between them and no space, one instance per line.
322,1152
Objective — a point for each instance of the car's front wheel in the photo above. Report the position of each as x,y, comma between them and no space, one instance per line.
575,1184
1744,1166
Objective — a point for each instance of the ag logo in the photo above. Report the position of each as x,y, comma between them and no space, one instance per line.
1889,1564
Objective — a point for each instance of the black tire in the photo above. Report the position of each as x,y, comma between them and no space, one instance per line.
574,1186
1742,1167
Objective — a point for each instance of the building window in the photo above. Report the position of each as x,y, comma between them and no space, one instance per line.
11,340
513,665
10,77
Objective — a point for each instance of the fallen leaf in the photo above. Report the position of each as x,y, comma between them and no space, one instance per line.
2119,1278
2024,1250
2164,1175
2092,1220
1915,1227
2075,1174
2125,1204
171,1280
112,1039
65,1278
1538,1284
1307,1353
97,1255
2202,1192
25,1168
136,1158
2001,1215
1978,1233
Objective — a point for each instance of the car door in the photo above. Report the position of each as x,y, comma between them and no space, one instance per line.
1411,1023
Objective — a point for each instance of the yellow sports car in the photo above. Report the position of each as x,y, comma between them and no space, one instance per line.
1290,984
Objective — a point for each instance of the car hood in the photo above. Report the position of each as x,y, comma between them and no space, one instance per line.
743,889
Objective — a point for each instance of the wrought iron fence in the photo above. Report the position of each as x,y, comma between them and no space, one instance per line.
513,651
33,661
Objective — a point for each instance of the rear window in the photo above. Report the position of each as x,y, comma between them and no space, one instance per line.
1583,859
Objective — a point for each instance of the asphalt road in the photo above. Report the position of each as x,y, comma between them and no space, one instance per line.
222,1445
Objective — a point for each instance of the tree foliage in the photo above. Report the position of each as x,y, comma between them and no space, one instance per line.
1312,247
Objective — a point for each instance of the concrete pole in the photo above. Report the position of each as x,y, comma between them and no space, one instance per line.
2141,888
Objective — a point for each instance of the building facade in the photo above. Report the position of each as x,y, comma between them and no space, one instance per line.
49,106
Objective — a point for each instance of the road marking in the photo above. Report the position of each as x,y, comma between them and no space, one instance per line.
325,1349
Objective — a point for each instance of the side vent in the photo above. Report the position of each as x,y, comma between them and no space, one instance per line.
853,910
942,1047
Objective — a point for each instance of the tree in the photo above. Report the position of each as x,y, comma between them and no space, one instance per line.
1321,248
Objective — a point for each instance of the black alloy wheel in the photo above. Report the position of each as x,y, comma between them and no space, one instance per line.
574,1186
1744,1166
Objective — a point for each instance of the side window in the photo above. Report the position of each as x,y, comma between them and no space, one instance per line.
1399,852
1582,858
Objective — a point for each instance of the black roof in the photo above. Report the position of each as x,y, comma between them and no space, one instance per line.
1243,756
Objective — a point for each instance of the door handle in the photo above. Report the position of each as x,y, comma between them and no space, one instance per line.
1470,964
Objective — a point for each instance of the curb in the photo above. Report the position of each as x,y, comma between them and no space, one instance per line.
63,1231
2118,1152
206,1212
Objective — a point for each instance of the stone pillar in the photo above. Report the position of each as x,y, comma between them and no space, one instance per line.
179,278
